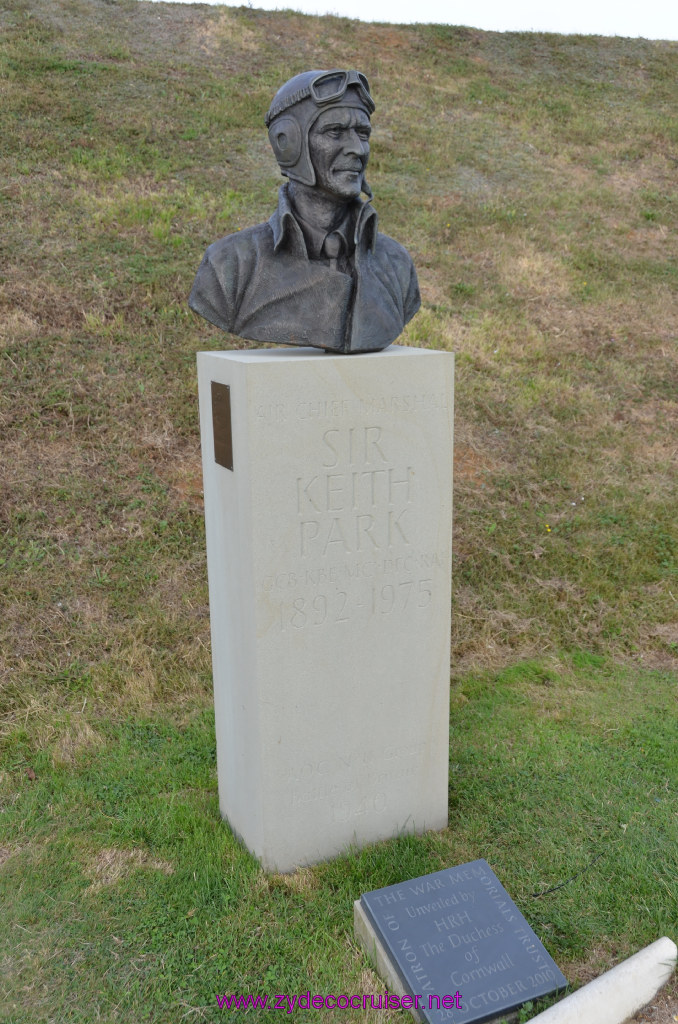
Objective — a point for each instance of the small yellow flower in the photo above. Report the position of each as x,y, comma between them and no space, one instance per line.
548,528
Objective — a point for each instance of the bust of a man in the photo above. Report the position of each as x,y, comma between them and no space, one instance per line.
318,272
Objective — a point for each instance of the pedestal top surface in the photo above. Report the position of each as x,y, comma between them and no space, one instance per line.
296,354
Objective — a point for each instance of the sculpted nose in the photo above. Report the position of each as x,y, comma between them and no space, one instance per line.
355,145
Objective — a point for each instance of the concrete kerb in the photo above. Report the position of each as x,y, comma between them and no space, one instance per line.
620,992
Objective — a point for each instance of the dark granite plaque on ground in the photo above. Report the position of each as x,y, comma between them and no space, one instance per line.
457,940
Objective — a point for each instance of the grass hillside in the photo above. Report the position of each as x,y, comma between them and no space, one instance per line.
533,179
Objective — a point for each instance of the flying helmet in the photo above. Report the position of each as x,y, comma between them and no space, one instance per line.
297,105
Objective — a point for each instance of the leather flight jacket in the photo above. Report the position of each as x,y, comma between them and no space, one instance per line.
261,284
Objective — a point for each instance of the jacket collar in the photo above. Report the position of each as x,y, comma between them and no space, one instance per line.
287,233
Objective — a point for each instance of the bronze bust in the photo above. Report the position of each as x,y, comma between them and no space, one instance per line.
318,272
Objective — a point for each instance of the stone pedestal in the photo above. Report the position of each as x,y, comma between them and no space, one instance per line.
328,510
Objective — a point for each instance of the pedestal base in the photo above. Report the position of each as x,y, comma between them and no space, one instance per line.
328,509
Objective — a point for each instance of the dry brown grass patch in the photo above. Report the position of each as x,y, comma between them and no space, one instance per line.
33,713
302,880
183,471
632,177
110,865
471,467
39,301
225,32
532,274
650,240
37,647
476,647
388,41
37,463
76,739
163,438
141,685
188,485
668,633
17,325
91,609
601,958
372,985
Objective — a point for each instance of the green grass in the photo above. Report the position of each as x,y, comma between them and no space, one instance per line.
122,885
532,177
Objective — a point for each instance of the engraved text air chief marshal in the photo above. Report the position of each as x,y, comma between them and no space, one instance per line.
318,272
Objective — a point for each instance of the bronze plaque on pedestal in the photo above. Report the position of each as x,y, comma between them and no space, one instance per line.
221,425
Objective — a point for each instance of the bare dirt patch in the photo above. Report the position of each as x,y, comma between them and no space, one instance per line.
471,466
179,465
634,176
668,632
662,1010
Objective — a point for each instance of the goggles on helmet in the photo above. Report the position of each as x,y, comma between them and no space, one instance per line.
326,87
331,86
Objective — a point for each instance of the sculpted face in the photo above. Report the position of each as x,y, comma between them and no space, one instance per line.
339,146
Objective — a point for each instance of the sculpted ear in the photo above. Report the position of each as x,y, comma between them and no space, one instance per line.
285,138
